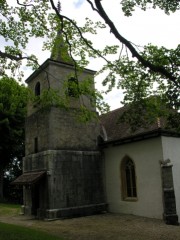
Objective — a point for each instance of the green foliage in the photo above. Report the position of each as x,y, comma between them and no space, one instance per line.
128,6
72,90
12,193
49,98
13,100
84,115
18,24
140,83
145,112
84,88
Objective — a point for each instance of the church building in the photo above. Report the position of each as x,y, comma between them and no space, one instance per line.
69,172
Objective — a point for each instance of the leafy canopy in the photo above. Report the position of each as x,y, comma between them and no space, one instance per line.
168,6
140,73
13,100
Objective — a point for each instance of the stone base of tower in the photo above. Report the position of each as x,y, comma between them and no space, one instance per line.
63,213
73,185
79,211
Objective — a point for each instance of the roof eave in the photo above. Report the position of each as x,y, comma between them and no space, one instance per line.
47,62
138,137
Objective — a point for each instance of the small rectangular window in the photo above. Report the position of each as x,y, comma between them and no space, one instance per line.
37,89
35,144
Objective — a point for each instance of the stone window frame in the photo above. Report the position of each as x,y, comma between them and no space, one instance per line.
128,184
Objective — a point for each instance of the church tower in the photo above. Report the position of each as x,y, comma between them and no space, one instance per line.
63,170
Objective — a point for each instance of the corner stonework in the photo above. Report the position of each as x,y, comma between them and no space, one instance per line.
170,215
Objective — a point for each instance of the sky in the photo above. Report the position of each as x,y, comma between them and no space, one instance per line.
151,26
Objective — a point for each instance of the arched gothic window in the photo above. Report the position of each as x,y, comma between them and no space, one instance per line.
128,177
37,89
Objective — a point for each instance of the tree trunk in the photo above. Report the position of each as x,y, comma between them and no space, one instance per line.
1,182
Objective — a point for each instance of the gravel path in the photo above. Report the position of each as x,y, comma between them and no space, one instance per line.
102,227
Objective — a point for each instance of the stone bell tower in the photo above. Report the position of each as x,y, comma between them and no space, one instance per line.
63,170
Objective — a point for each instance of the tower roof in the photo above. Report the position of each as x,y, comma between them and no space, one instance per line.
60,50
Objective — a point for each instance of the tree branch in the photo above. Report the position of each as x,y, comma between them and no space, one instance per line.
16,58
24,5
93,8
12,57
144,62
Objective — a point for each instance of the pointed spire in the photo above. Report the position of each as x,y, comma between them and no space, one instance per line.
59,50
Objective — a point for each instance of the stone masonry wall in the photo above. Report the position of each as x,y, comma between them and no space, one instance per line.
75,179
58,129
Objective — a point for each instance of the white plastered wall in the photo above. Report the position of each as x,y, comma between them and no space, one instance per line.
171,150
146,155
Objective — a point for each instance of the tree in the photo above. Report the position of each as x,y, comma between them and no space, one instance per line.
11,193
135,74
13,100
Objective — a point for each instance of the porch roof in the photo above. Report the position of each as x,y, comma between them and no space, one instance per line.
29,178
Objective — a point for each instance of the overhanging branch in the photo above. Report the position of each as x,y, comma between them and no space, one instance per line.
144,62
12,57
16,58
24,5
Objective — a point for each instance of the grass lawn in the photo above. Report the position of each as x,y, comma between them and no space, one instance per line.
13,232
9,209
